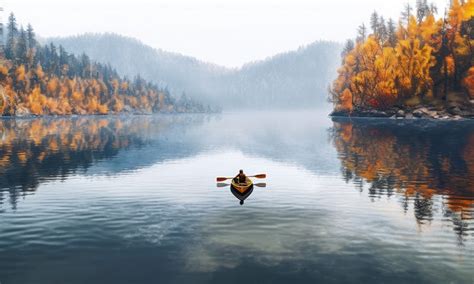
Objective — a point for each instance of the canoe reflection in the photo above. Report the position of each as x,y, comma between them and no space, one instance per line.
241,195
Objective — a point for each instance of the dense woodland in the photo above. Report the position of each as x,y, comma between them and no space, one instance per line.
420,60
296,78
47,80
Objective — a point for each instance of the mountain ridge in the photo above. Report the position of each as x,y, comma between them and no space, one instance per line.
289,78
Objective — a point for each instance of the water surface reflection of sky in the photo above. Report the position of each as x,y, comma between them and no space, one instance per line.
346,201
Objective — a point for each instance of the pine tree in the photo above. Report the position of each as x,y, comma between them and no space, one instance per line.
391,33
12,30
361,33
406,13
31,37
21,53
382,30
374,23
348,47
53,60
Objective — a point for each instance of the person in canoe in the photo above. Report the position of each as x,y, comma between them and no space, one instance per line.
241,177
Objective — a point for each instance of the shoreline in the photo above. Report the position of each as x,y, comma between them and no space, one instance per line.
421,112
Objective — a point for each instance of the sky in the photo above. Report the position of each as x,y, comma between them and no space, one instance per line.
225,32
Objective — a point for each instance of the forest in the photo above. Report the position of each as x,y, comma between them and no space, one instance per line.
421,60
297,78
47,80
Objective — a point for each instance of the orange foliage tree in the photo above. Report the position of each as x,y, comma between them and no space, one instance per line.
392,65
45,80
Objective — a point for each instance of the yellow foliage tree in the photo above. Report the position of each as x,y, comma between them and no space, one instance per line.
424,54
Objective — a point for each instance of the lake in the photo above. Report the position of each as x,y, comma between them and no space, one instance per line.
134,200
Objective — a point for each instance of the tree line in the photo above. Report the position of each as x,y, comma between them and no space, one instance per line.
40,79
420,58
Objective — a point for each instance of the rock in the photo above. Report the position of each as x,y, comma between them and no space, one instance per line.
22,112
418,113
409,116
376,113
455,111
432,114
127,109
423,110
400,113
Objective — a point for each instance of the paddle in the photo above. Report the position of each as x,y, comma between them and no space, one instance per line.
222,184
262,184
219,179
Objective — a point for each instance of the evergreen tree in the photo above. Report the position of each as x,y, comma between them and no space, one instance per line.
361,33
31,37
21,53
422,10
374,23
406,13
12,30
433,9
348,47
391,33
63,61
53,60
382,30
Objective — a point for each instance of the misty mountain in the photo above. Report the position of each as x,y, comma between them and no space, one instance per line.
296,78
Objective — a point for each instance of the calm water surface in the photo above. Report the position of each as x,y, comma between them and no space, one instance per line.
134,200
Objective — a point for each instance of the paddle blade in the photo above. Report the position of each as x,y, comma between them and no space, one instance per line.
219,179
260,176
262,184
222,184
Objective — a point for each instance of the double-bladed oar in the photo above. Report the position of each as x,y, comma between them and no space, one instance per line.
219,179
262,184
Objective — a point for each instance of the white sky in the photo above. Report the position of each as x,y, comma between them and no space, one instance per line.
225,32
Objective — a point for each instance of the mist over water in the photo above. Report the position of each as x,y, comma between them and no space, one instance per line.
134,199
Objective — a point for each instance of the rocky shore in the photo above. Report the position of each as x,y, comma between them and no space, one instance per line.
454,112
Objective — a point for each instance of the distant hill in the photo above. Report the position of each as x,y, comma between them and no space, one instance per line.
40,80
296,78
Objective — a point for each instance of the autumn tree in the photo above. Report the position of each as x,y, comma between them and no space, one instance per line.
394,64
47,80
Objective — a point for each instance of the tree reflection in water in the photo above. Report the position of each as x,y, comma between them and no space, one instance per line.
426,164
33,151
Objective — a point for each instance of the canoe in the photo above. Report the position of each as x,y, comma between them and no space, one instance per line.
242,188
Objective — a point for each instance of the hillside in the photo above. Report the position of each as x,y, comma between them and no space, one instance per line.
298,78
46,80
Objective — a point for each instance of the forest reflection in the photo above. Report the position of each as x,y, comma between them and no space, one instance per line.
426,165
33,151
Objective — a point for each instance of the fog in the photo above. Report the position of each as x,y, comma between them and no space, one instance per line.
229,33
255,54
